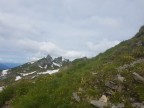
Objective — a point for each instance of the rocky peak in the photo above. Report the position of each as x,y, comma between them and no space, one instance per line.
142,29
141,32
45,61
49,58
58,60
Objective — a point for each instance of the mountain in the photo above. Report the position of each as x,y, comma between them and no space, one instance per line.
12,65
2,66
113,79
8,65
33,69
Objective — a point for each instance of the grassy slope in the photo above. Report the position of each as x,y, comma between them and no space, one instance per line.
56,90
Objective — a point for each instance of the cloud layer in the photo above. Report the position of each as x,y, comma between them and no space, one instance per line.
72,28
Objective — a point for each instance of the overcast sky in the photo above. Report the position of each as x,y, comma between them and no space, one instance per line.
31,29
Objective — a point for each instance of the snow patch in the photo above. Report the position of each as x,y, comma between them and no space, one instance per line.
48,72
18,78
25,74
56,64
45,66
40,66
4,72
52,65
33,77
32,62
1,88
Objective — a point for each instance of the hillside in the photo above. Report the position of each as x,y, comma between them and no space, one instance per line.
113,79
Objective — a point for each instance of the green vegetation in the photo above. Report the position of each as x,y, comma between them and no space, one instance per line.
87,77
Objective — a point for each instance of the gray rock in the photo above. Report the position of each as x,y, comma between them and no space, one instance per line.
138,105
111,85
119,105
138,78
108,93
130,65
120,78
58,60
45,62
49,60
76,97
101,103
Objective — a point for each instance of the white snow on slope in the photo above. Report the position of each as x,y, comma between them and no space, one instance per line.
1,88
40,66
33,77
4,72
45,66
25,74
56,64
48,72
18,78
32,62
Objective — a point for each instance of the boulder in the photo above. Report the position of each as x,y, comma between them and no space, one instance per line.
120,78
119,105
101,103
76,97
138,78
111,85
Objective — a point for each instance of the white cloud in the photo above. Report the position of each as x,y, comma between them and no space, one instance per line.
74,54
41,49
36,46
101,46
106,21
32,29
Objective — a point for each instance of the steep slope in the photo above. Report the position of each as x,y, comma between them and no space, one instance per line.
111,79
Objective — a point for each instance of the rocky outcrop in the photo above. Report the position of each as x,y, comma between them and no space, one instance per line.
45,62
121,68
101,103
138,78
58,60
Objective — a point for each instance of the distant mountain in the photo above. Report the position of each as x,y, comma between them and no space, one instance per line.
8,65
3,66
30,70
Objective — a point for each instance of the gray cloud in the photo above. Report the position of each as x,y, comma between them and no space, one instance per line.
73,28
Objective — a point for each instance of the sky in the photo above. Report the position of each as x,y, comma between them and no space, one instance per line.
32,29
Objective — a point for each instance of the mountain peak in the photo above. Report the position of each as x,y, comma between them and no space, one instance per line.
141,32
49,57
141,29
